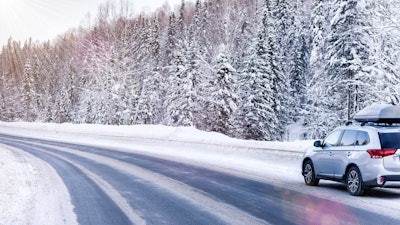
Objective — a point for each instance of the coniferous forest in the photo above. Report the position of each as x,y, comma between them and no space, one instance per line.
245,68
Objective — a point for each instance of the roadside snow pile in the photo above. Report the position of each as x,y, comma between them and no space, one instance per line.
183,144
31,192
142,132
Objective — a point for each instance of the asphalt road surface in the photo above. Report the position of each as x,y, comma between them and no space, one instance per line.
108,186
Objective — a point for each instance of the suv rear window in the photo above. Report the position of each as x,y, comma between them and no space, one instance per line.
390,140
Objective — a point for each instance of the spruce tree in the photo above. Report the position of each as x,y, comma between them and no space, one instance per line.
259,104
348,60
223,99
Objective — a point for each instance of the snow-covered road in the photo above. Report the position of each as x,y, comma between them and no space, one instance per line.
180,175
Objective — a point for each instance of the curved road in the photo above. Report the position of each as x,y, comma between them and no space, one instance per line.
108,186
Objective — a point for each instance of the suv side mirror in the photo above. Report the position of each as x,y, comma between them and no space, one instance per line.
318,144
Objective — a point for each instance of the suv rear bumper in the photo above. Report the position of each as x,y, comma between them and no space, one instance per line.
392,177
384,181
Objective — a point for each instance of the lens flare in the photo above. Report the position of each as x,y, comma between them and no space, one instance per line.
39,19
44,20
9,18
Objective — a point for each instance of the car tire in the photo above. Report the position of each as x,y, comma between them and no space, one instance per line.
309,174
354,181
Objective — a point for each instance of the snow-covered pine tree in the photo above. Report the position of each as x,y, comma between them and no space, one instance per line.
3,93
28,92
56,68
66,97
181,95
171,41
285,31
320,28
131,50
200,69
182,21
277,75
223,99
257,116
316,113
293,44
202,34
196,77
177,102
150,101
300,70
349,82
100,70
386,56
240,39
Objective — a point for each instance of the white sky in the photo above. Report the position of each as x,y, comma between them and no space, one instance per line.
45,19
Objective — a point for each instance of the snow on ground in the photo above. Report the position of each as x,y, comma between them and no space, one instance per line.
27,192
185,143
155,132
29,202
31,192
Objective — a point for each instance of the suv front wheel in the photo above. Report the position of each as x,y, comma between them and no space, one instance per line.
354,182
309,174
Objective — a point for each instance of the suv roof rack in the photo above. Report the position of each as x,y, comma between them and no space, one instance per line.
379,115
348,123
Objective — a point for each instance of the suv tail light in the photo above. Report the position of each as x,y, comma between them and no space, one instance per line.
380,153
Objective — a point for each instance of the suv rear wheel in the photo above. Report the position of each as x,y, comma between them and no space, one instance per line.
354,182
309,174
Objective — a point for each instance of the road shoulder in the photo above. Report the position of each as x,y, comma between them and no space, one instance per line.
31,191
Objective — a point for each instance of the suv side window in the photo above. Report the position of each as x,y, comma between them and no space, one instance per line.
362,138
332,139
348,138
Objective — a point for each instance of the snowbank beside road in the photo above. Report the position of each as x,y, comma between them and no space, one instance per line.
174,143
31,192
142,132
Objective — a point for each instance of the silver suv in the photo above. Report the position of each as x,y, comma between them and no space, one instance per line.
362,154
